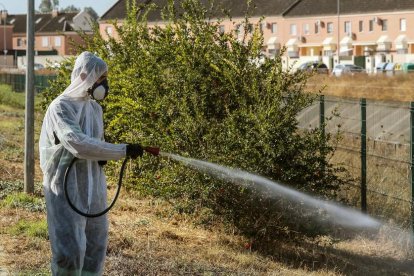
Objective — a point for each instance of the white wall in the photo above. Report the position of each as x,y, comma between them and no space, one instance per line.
6,61
44,60
404,58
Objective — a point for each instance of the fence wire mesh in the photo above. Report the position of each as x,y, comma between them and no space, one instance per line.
18,81
387,151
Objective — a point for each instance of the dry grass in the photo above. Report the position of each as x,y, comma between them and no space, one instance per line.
144,242
384,176
377,87
388,186
148,238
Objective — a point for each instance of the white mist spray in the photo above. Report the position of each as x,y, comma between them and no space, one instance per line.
340,215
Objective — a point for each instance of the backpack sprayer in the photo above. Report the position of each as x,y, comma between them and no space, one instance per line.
152,150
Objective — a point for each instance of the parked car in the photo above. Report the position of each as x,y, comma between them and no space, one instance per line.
392,69
408,67
319,67
347,69
380,67
55,65
38,66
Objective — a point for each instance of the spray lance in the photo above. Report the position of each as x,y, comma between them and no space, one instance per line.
151,150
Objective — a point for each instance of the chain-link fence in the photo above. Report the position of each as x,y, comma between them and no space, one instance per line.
18,81
386,171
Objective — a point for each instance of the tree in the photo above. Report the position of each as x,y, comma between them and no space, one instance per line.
197,92
45,6
92,12
70,8
55,4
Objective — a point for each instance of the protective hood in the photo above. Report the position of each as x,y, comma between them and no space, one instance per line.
87,70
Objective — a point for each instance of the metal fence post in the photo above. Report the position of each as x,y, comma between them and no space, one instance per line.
322,122
364,155
29,159
322,114
412,162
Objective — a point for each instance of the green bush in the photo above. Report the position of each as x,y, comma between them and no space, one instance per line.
10,98
196,92
14,99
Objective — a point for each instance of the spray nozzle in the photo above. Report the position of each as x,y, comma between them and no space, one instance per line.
152,150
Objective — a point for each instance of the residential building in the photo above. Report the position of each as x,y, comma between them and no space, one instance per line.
54,33
6,45
271,9
365,32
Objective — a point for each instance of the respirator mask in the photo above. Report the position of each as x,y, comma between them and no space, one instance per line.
99,91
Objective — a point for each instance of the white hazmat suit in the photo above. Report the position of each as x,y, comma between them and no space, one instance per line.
73,127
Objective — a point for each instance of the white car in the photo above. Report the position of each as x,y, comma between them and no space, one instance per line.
347,69
38,66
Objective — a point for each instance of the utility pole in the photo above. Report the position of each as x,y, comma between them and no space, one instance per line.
4,20
29,115
412,168
338,12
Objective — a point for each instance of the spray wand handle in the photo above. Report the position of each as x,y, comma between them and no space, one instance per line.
152,150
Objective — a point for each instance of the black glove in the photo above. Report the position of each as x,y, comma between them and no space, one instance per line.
134,151
102,162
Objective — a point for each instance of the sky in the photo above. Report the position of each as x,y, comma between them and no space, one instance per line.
20,6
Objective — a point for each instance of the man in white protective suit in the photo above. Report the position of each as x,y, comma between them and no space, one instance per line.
73,127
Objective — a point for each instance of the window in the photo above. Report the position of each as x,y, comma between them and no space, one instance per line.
403,25
109,31
384,25
19,42
58,41
274,52
293,29
402,51
45,41
274,28
238,28
262,26
371,25
306,29
221,29
361,26
250,28
316,28
329,27
347,27
328,53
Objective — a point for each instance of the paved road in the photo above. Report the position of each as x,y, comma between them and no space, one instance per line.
386,121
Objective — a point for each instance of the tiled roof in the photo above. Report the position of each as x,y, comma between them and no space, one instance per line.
44,23
236,8
289,8
329,7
